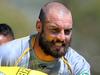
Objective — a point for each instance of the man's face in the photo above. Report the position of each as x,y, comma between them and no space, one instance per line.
4,39
56,34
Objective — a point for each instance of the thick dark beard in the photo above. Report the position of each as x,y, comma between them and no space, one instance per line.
46,47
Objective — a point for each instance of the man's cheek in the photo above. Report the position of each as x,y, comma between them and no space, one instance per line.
49,38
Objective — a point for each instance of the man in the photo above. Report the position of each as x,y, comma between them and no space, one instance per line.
6,33
48,50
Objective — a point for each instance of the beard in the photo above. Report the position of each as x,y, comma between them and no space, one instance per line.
48,47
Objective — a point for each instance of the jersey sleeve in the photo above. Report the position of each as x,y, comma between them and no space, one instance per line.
8,54
78,63
82,67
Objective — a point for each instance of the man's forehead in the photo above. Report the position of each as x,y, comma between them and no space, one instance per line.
1,37
60,26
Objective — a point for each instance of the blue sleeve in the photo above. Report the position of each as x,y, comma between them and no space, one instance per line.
82,68
78,63
8,54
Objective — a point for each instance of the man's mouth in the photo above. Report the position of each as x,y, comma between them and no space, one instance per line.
57,46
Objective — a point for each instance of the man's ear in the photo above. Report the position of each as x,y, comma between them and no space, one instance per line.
39,25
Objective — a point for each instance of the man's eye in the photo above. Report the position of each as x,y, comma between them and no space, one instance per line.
54,31
67,32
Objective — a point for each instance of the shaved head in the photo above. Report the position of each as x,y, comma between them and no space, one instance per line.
53,8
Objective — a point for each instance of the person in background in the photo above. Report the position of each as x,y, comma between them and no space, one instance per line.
6,33
49,49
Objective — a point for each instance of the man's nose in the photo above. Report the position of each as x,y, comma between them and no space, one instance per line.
61,36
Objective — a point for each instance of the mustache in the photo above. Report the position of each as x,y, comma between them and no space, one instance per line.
58,41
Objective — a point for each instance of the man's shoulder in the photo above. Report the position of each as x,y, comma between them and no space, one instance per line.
77,61
22,39
14,46
73,54
75,58
11,51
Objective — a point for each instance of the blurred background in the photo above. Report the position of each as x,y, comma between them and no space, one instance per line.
21,15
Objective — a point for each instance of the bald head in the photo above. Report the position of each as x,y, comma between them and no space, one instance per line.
53,8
